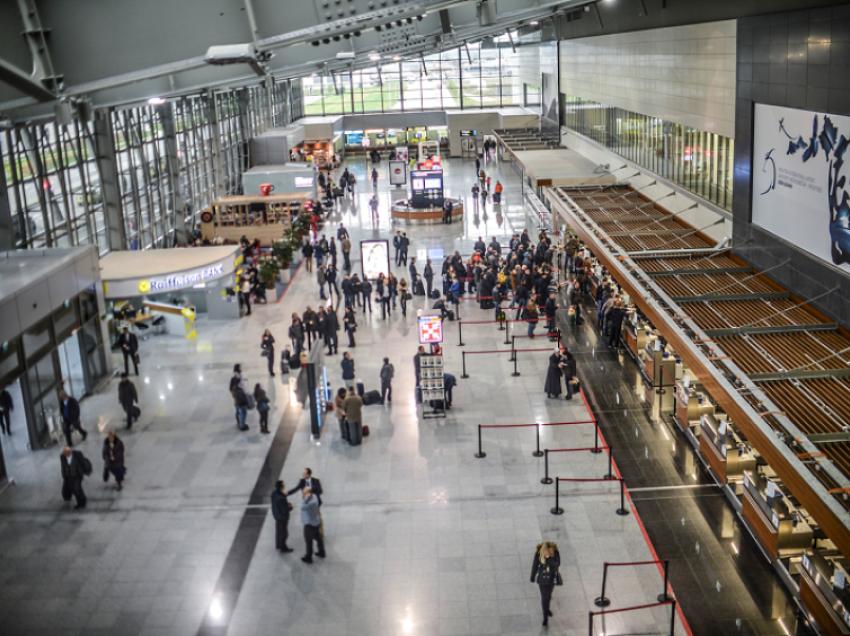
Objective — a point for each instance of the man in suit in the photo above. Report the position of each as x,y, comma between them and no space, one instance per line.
127,397
280,511
6,408
413,274
70,410
308,481
397,246
312,521
428,275
74,468
404,244
129,347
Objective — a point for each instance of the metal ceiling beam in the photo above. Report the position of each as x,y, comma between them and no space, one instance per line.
13,76
750,331
830,438
799,375
727,297
682,230
710,270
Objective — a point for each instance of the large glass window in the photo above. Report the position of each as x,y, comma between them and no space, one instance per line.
697,160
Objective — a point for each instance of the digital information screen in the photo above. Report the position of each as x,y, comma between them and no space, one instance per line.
434,184
375,258
418,184
430,329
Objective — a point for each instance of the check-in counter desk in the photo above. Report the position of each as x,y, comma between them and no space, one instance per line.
659,369
723,450
823,592
691,404
634,335
178,321
778,526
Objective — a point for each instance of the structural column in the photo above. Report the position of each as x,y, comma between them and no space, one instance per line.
211,105
172,168
104,151
7,229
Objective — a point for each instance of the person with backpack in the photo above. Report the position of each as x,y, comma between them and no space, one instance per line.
387,372
544,572
75,467
263,407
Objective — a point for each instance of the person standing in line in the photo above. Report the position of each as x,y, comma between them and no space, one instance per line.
128,398
321,279
405,246
296,335
366,292
75,467
347,365
353,407
373,204
551,309
568,366
113,459
263,408
428,275
345,243
387,372
70,417
532,315
350,325
280,511
129,348
307,253
6,408
414,274
544,572
310,320
267,347
553,375
449,382
397,246
331,330
311,520
330,275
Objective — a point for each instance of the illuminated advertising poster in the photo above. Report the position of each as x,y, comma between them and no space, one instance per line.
398,172
375,257
430,330
800,190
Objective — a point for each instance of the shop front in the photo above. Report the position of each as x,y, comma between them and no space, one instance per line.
388,138
52,339
164,291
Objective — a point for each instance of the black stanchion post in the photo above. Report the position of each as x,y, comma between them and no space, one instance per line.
672,616
622,509
507,330
602,600
460,333
538,452
501,323
664,596
596,448
464,376
610,474
590,625
557,510
513,348
546,479
480,452
515,373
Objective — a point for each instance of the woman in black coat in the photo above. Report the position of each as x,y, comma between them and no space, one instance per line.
267,345
553,376
544,572
113,458
296,335
262,401
569,370
350,322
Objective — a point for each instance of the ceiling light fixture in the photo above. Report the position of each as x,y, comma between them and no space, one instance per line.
156,101
534,23
374,57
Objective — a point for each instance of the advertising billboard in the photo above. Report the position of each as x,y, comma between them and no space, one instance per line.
375,257
800,191
398,173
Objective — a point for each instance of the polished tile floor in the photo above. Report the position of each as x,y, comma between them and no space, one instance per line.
422,537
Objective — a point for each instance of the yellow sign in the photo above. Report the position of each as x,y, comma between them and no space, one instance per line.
189,323
239,260
105,289
144,286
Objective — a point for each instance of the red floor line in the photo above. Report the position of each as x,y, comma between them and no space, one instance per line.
291,279
640,522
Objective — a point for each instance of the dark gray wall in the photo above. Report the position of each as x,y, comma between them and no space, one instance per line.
798,59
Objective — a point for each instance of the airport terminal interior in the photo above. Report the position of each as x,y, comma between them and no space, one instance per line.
446,317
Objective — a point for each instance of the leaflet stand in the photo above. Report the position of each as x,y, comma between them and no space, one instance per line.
431,384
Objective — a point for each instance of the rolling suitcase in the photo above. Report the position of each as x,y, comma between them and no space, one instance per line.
371,397
451,314
365,430
419,289
355,433
435,294
361,390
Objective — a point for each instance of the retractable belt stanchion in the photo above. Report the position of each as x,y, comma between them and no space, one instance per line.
480,452
538,452
604,601
622,510
464,376
671,603
664,596
546,479
557,510
507,330
460,333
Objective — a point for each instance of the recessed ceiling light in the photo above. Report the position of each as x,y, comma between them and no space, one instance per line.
534,22
374,57
397,58
156,101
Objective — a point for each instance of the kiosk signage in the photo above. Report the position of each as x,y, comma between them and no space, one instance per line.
426,188
430,329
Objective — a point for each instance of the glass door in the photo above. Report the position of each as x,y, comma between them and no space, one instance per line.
71,363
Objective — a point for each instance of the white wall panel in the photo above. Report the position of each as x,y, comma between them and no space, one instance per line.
682,74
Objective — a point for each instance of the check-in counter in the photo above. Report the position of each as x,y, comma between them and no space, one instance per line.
780,528
823,592
724,451
634,335
691,403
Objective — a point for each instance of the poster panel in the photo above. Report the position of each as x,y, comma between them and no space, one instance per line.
800,191
375,258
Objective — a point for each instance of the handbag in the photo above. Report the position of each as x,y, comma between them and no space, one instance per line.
252,403
136,358
407,296
105,474
558,579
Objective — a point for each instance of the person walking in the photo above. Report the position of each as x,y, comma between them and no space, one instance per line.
240,397
128,398
75,467
397,247
373,204
296,336
475,192
70,417
330,275
374,178
113,459
280,511
497,193
331,330
129,344
414,273
341,232
347,365
267,349
311,520
551,309
404,295
387,372
428,275
321,279
245,294
263,407
7,405
350,325
345,244
569,372
307,253
353,407
386,295
544,572
405,246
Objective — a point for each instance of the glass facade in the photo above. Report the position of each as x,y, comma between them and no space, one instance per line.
696,160
482,75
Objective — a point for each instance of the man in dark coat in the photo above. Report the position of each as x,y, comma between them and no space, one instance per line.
113,458
618,313
127,397
280,511
331,329
397,246
70,410
308,481
449,382
553,375
129,346
428,275
413,274
551,309
6,408
404,246
74,468
568,368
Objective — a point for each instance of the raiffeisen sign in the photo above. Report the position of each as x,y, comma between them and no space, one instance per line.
181,280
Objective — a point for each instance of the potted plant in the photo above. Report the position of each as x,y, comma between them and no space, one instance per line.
283,251
268,270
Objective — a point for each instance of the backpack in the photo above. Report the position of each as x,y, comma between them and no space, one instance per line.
85,464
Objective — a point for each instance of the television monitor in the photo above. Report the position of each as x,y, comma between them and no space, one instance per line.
434,183
418,184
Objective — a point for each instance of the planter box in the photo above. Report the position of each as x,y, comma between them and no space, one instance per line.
285,275
271,295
